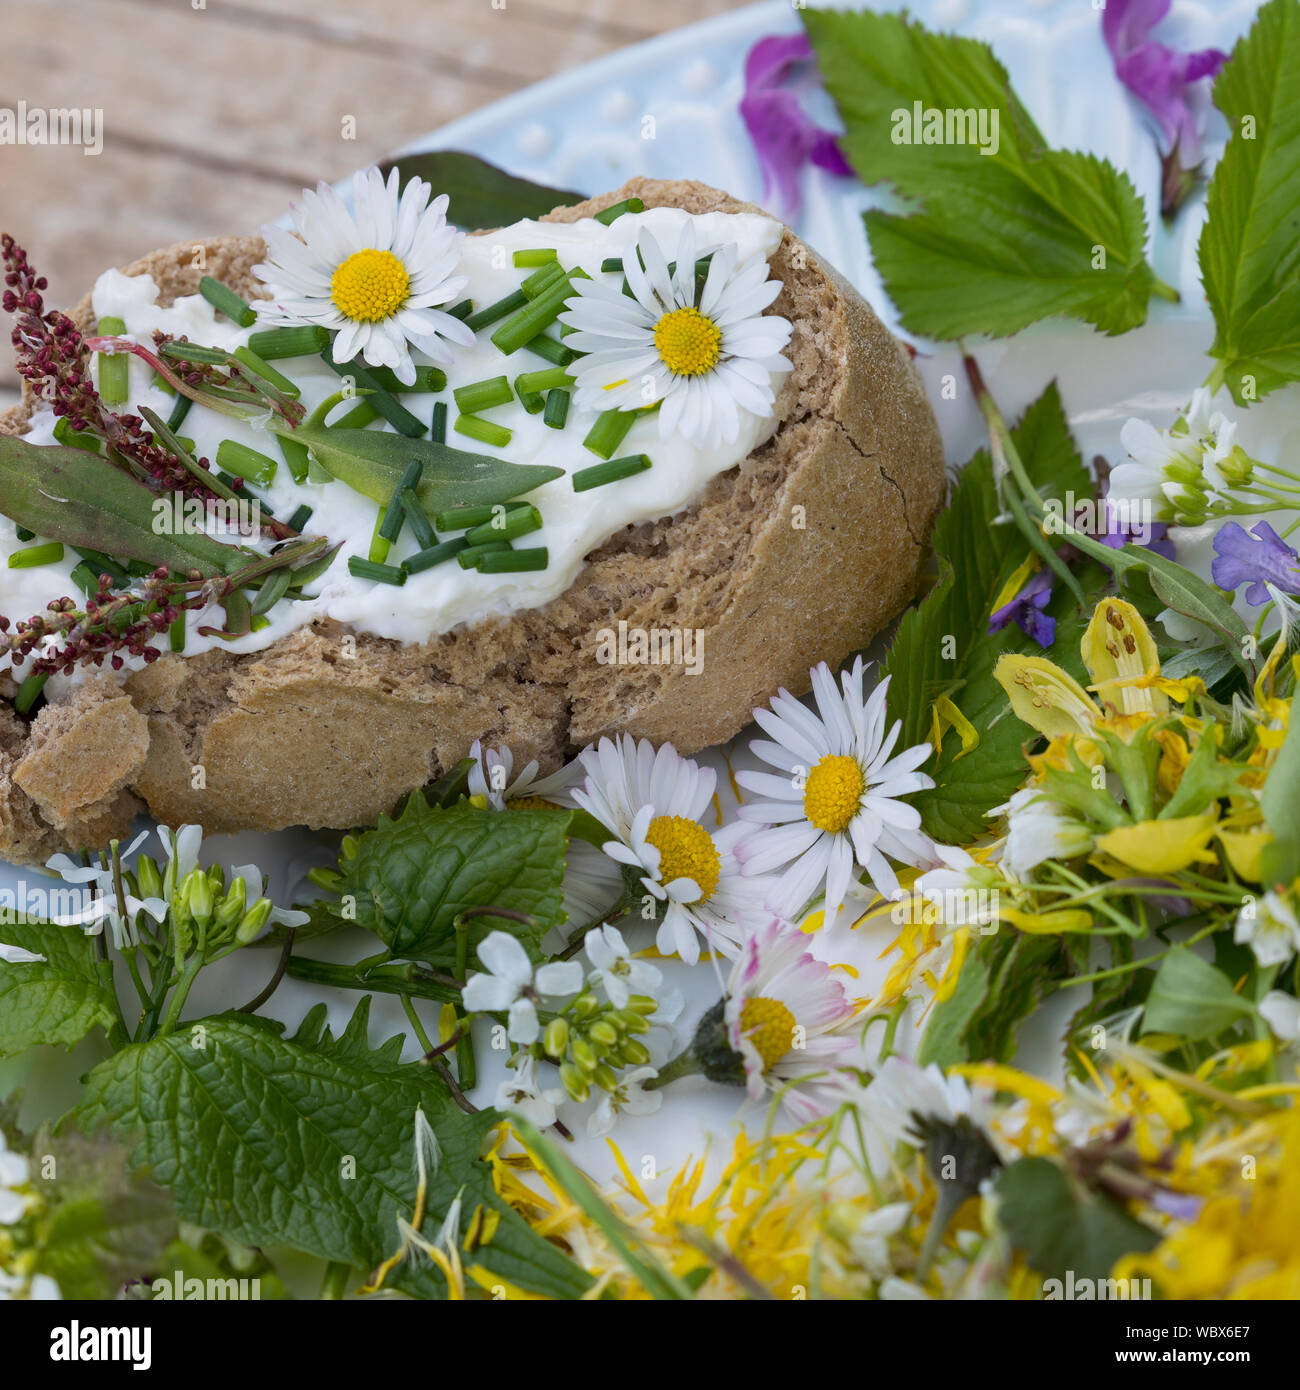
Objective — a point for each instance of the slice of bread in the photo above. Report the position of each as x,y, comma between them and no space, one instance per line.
800,554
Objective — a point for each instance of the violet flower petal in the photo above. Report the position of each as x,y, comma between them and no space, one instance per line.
1026,611
1258,557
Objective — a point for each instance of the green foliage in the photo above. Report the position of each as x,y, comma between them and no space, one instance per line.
308,1142
481,195
57,1001
1003,238
1191,999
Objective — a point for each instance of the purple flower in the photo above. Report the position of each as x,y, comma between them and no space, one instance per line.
1026,611
1266,559
784,138
1121,531
1161,79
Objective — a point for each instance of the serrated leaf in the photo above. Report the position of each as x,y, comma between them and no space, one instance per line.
307,1142
1009,230
1191,999
1061,1230
480,195
943,646
942,1041
412,876
57,1001
1250,245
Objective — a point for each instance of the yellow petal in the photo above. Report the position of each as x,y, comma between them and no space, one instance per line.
1121,655
1160,846
945,715
1045,923
1045,697
1244,849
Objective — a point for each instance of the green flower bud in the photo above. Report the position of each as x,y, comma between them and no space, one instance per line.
254,920
585,1055
556,1037
603,1033
199,897
585,1005
633,1053
633,1022
574,1082
605,1077
642,1004
1238,468
232,907
148,878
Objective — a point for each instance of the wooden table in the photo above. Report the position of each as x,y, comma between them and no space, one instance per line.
215,112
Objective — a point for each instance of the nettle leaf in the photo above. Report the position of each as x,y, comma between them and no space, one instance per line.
481,195
1062,1229
413,875
1191,999
1009,230
943,646
83,500
57,1001
1250,244
307,1142
372,462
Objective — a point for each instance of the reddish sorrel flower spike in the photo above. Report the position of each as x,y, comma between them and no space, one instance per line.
785,139
1162,79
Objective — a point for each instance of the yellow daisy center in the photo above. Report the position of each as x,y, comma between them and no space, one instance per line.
832,793
369,286
532,803
769,1026
686,850
688,342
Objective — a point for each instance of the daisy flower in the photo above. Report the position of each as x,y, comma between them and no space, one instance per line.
704,363
782,1010
373,275
510,985
835,800
652,803
592,882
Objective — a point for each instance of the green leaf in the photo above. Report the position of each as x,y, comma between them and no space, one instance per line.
413,875
1191,999
481,194
1009,230
1281,808
57,1001
942,1041
83,500
308,1142
372,462
1250,245
943,646
1062,1230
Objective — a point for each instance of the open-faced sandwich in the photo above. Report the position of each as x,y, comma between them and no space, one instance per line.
316,512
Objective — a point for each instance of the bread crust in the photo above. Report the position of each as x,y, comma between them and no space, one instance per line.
801,553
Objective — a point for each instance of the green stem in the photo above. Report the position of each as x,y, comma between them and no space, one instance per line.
1163,291
466,1067
408,1006
335,1283
684,1064
177,1002
392,979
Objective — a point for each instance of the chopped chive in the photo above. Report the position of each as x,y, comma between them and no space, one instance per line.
469,557
496,311
532,401
249,359
23,533
274,588
296,456
101,564
29,691
84,577
113,367
551,349
482,395
371,569
357,418
537,255
611,263
609,431
48,554
518,521
258,621
520,327
512,561
433,555
247,463
386,404
300,518
612,214
178,413
462,310
304,341
463,518
226,301
557,409
416,518
601,473
195,352
542,381
75,439
438,425
485,431
380,545
426,379
542,279
395,514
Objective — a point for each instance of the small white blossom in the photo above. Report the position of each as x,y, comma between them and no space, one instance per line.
511,985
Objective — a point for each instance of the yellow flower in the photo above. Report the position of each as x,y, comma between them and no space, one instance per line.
1162,846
